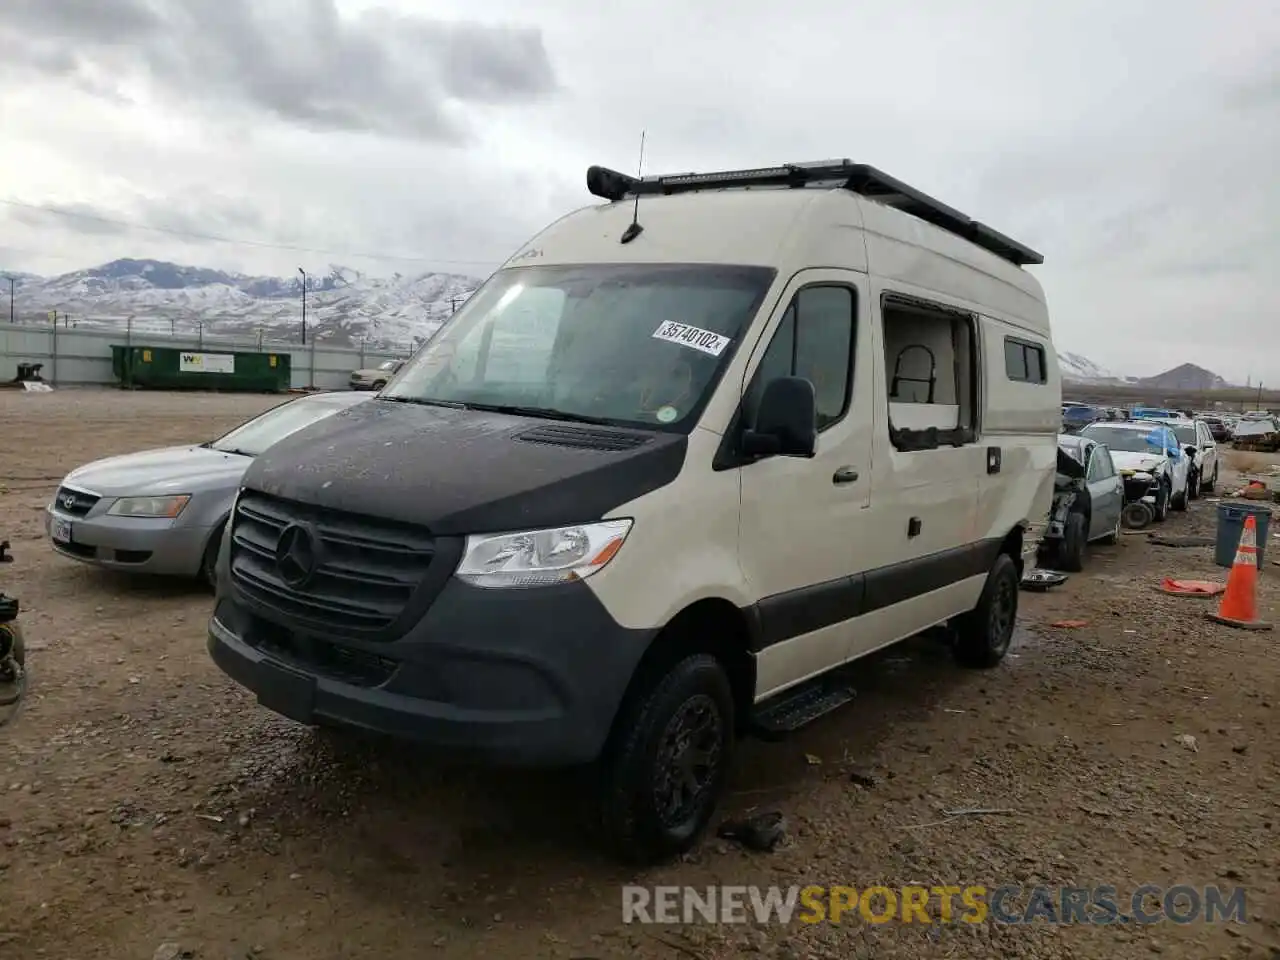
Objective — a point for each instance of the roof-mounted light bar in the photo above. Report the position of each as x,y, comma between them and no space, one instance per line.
859,178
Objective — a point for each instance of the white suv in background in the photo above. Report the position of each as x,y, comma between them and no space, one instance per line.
1198,444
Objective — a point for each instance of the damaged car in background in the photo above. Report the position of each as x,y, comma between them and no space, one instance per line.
1150,462
1088,498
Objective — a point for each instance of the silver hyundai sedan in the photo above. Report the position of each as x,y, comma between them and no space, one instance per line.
162,511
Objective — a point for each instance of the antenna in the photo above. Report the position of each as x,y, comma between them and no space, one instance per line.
634,230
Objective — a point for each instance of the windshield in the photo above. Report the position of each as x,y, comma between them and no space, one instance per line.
635,344
252,438
1129,441
1081,413
387,365
1186,434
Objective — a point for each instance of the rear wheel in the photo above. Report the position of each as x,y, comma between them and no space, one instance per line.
668,761
984,633
1114,536
1212,482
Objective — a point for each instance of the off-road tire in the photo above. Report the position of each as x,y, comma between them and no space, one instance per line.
1075,534
984,633
631,823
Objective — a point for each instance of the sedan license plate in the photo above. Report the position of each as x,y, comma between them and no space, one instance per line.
60,530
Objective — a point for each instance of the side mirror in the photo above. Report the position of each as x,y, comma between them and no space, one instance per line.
787,421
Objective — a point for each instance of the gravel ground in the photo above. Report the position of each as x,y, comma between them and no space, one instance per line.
148,804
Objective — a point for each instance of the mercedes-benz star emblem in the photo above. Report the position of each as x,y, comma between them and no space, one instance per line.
297,554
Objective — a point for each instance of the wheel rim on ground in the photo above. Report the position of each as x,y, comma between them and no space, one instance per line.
687,761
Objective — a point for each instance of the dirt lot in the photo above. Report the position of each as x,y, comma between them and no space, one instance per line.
148,807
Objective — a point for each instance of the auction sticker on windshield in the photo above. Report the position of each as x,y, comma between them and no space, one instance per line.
707,341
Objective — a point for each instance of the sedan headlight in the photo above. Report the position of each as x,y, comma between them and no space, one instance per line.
536,557
168,507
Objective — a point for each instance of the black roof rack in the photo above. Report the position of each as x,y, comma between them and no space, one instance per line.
857,177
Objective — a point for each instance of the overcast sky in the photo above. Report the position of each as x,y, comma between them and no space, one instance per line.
1136,144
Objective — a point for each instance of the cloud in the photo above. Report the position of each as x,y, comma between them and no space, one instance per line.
1136,151
301,62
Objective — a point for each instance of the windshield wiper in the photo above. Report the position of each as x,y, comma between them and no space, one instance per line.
235,452
549,413
424,402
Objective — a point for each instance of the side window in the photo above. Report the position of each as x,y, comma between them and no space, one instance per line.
1094,472
814,340
1024,361
931,366
1108,466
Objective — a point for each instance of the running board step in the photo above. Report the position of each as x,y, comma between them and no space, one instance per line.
789,711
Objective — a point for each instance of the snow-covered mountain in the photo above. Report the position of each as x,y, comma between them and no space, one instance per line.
343,305
1081,369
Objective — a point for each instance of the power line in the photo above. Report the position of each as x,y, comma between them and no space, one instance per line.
264,244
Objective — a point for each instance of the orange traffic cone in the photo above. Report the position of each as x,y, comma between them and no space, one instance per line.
1239,606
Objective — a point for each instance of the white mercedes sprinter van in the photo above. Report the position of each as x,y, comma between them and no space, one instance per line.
686,455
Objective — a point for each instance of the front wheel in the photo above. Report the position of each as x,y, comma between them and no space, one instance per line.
1179,501
984,633
667,763
209,562
1071,546
1162,503
1193,486
379,385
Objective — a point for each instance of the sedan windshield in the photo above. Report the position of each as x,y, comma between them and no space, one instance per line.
638,344
252,438
1129,441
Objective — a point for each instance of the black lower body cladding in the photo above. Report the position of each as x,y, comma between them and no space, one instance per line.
526,677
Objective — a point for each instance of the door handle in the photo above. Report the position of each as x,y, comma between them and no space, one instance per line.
845,475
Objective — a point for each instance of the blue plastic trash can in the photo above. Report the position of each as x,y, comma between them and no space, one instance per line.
1231,517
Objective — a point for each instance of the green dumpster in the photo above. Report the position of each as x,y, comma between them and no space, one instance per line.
168,368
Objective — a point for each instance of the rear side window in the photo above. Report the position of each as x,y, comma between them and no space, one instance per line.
1023,361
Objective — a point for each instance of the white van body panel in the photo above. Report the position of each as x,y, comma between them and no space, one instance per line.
755,532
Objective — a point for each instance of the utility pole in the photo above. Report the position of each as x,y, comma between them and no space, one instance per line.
10,279
304,305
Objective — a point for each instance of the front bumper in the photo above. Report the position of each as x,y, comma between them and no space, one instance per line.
528,677
135,544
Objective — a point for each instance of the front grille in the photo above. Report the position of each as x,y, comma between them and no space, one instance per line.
77,503
367,569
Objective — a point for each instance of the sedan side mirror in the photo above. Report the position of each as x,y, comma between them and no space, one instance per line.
787,421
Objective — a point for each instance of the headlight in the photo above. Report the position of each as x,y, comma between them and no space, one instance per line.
150,506
535,557
1140,475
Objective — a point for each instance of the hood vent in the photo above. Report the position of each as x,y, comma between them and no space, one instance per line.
583,438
